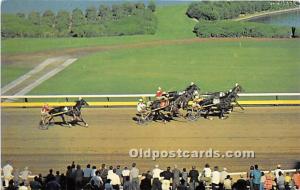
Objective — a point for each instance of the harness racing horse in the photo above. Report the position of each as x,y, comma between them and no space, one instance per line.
73,111
221,102
172,102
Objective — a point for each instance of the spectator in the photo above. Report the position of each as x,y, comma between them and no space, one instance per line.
119,171
269,181
57,177
110,171
24,175
167,176
94,169
7,173
62,181
40,179
52,184
215,179
16,177
11,185
176,177
69,178
184,176
49,176
262,181
287,181
280,181
250,177
107,185
146,183
78,177
241,184
206,174
223,176
35,184
227,183
156,184
296,179
87,174
125,173
193,174
277,170
22,186
256,178
126,183
134,177
182,185
103,173
97,180
115,180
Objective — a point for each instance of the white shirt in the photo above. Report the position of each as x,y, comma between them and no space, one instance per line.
115,179
109,173
126,172
277,172
141,106
227,184
23,188
94,172
24,174
223,176
87,172
7,170
97,180
156,172
207,172
215,177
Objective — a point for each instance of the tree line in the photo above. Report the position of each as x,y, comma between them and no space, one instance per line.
208,10
119,19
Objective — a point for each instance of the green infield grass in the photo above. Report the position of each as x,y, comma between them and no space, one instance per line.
259,66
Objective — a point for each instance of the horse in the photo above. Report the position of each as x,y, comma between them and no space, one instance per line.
221,102
73,111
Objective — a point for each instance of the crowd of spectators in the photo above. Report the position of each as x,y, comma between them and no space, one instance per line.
116,178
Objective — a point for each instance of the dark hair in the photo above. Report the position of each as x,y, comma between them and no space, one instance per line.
57,172
88,166
207,165
133,164
51,171
108,180
262,173
256,166
94,167
111,167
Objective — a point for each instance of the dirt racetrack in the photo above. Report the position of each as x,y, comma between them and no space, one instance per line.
272,132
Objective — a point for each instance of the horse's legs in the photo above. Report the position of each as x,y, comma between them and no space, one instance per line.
82,120
64,120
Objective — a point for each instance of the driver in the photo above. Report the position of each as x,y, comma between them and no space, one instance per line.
159,93
45,109
164,101
196,101
141,107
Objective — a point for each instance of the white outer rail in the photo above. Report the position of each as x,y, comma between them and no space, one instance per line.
135,95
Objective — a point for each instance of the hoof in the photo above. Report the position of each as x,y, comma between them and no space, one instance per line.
86,125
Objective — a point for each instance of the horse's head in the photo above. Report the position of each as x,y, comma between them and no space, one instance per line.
81,103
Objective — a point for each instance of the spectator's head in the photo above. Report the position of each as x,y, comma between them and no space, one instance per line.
278,166
57,172
251,167
26,168
35,178
216,168
241,176
11,182
115,170
184,169
133,164
103,166
193,167
88,166
51,171
182,181
40,175
78,167
108,180
97,173
125,168
118,166
256,166
228,177
262,173
287,173
111,167
168,168
69,167
73,166
206,165
280,173
94,167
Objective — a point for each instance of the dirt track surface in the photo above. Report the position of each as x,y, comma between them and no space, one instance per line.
272,132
